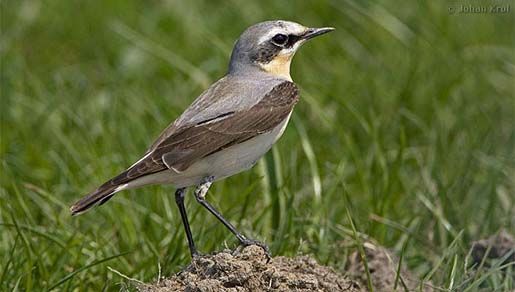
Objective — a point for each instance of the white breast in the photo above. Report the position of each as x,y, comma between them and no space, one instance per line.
222,164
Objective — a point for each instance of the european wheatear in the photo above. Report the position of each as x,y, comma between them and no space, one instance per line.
227,128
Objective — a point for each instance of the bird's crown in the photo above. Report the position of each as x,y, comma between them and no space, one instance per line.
270,45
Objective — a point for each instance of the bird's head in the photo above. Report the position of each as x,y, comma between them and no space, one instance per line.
269,46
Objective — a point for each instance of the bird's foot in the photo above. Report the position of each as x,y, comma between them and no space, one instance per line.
244,242
196,254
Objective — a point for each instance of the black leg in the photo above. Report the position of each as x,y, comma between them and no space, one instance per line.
200,195
179,199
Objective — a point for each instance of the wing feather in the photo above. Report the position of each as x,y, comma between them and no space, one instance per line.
187,144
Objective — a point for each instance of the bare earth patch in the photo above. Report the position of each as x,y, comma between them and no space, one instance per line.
251,270
383,266
496,246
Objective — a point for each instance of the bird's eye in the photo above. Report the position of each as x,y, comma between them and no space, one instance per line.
280,39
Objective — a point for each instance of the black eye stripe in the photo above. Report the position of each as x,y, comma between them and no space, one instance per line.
285,41
269,50
292,39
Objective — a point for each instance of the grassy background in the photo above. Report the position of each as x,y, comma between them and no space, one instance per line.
406,122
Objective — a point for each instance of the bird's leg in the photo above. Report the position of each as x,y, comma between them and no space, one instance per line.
179,199
200,195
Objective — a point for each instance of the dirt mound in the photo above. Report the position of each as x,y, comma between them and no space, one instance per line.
383,265
497,246
252,270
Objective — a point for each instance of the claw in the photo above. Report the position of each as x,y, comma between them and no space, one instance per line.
195,254
247,242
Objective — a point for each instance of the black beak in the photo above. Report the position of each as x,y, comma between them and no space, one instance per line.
313,32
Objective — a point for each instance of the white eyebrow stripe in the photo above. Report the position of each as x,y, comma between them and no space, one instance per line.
270,34
290,29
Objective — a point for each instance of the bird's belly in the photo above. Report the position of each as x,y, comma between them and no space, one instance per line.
221,164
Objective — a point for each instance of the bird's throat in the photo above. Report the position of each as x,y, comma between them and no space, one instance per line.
279,66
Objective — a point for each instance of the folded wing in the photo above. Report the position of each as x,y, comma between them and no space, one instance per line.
187,144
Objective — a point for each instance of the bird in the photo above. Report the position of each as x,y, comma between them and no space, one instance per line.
227,129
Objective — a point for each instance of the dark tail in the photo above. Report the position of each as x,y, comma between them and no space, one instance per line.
99,196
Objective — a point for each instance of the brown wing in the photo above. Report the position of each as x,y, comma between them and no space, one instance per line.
189,144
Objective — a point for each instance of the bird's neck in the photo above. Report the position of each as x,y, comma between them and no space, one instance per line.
279,67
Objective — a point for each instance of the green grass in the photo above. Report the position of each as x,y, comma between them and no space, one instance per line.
406,123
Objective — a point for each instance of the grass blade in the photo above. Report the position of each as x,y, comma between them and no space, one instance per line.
72,274
361,250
